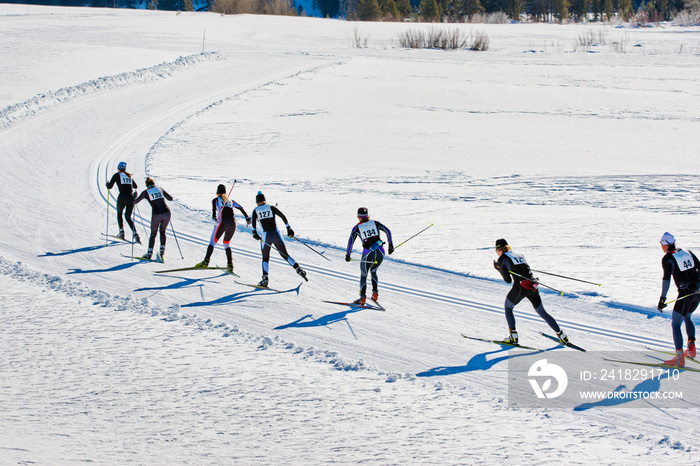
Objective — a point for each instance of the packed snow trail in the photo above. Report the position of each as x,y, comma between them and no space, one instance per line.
55,164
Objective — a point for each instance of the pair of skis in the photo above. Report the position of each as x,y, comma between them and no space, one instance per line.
376,306
516,345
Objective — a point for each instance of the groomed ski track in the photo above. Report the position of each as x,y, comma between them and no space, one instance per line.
61,236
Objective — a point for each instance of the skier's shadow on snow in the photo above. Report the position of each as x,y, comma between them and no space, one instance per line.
79,250
232,298
183,283
116,268
478,362
321,321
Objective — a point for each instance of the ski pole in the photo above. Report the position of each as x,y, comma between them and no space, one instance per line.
682,297
229,191
568,278
107,236
319,253
536,281
176,242
413,236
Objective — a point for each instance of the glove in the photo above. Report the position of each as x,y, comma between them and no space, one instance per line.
662,304
391,248
256,236
213,217
496,266
347,257
290,232
135,194
107,185
247,220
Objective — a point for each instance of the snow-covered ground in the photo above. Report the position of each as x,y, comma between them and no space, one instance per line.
581,159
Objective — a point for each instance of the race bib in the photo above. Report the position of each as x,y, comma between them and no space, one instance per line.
368,230
154,194
684,260
264,212
516,258
124,178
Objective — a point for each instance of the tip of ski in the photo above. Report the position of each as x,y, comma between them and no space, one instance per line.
145,259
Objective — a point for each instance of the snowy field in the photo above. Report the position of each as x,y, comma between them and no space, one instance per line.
580,158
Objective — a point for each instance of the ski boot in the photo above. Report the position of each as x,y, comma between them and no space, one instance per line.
263,283
679,360
512,337
375,296
161,256
120,235
690,353
203,265
149,254
137,238
302,273
563,339
229,261
360,301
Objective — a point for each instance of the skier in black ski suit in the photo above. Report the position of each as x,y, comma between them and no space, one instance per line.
514,268
160,214
684,267
270,236
125,200
222,213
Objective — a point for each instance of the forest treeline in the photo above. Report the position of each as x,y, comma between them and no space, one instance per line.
686,12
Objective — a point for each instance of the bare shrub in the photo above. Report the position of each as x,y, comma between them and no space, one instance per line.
688,17
357,40
480,41
438,38
620,46
412,39
590,38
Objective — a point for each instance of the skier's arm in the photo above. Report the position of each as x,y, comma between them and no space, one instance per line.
111,182
668,265
214,208
353,234
277,212
240,207
141,197
166,195
388,236
505,265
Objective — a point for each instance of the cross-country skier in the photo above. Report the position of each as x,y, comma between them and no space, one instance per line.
684,267
125,200
160,214
270,236
514,268
372,251
222,213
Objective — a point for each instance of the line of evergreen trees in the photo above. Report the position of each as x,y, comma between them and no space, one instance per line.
424,10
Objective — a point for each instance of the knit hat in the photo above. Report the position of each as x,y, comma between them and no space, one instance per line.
260,197
362,212
221,189
150,182
501,243
668,239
